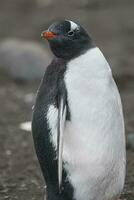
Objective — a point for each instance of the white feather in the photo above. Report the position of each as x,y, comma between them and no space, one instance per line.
94,143
52,118
61,140
73,25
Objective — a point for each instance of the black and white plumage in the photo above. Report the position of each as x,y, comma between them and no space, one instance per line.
78,125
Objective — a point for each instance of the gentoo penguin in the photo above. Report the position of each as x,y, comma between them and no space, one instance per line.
78,125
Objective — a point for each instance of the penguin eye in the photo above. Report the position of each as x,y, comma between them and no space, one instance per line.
70,33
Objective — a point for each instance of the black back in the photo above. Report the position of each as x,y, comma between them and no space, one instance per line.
52,88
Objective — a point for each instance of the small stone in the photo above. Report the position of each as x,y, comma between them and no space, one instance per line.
35,182
29,98
6,197
12,185
24,144
4,190
26,126
8,152
23,187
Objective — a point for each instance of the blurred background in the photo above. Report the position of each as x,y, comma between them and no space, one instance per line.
23,60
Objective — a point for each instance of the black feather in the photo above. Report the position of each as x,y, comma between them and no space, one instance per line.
51,89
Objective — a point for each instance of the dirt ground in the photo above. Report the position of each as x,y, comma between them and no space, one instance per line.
20,175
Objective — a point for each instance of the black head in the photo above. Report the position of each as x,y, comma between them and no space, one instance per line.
67,39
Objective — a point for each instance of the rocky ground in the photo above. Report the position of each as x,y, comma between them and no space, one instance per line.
111,23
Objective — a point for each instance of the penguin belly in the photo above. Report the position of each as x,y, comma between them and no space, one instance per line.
94,144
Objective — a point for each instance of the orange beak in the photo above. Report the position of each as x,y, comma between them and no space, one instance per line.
48,35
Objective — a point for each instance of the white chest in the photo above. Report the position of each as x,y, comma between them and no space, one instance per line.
94,138
89,86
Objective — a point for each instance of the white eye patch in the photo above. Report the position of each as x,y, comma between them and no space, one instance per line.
74,26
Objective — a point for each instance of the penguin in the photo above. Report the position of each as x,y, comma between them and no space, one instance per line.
77,123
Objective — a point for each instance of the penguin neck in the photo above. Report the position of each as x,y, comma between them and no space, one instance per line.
68,53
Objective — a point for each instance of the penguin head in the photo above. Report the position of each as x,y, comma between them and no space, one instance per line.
67,39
